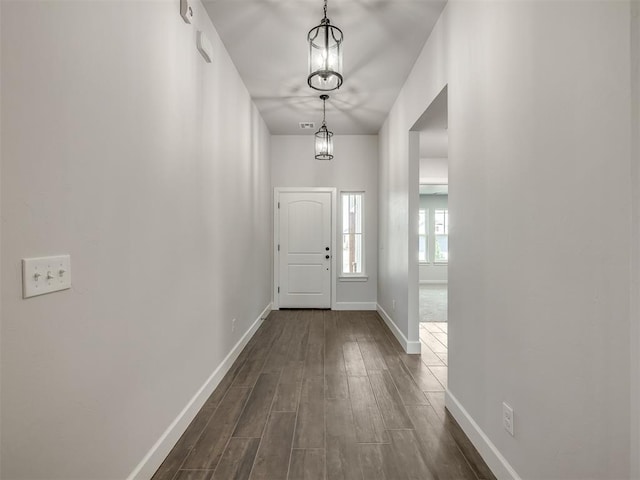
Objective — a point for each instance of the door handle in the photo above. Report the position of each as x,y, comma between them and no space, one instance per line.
326,256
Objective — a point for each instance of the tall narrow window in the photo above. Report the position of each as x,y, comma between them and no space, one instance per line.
441,221
352,228
423,235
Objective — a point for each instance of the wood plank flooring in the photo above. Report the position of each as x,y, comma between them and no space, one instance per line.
323,395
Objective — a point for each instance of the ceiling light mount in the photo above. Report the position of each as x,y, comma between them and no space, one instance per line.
325,55
324,138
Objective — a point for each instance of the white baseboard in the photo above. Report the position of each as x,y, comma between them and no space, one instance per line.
409,347
356,306
154,458
488,451
433,282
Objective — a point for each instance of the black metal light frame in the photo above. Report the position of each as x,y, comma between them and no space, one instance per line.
325,55
324,138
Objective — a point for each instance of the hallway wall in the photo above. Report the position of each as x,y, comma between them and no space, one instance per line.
635,240
354,168
123,148
539,110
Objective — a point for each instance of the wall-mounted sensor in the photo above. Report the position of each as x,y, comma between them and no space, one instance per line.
186,10
204,47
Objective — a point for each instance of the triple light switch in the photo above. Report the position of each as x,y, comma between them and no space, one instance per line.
45,275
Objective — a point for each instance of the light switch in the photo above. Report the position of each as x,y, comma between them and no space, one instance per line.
45,275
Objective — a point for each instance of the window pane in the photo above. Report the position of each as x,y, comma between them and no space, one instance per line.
422,223
345,213
440,222
357,212
345,253
422,248
442,248
356,265
352,255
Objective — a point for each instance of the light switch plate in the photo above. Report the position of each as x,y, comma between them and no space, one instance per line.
45,275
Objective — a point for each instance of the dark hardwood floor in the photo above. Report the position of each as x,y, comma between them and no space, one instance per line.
325,395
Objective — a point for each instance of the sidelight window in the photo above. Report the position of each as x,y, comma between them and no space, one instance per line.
352,233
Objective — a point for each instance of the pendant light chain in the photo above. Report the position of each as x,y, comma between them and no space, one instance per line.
324,103
324,99
325,9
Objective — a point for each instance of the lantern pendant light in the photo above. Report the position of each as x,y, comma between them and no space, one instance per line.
325,55
324,138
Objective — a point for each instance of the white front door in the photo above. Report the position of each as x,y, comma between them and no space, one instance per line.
304,238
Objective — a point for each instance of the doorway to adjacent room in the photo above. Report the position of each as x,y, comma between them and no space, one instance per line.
431,210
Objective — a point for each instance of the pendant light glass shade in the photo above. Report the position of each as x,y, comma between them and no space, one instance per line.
324,144
324,138
325,55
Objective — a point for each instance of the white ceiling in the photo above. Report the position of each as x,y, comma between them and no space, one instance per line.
267,42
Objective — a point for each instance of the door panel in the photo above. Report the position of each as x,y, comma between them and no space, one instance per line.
305,227
306,279
305,242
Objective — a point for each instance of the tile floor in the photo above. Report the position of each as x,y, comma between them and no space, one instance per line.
328,395
434,329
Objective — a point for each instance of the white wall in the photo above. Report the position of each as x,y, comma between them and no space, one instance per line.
398,182
539,101
121,147
432,272
434,171
354,168
1,327
635,241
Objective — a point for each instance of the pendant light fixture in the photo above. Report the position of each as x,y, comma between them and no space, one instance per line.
324,138
325,55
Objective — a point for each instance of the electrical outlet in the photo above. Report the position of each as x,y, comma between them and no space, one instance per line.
186,11
204,46
233,325
507,418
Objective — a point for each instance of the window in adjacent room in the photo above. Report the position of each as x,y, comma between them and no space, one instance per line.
441,221
423,235
352,234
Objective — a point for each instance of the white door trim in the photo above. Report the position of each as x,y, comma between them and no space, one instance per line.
276,228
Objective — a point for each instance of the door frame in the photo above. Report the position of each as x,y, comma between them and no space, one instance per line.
276,231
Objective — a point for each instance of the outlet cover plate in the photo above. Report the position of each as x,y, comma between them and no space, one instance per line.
204,46
507,418
186,11
45,275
